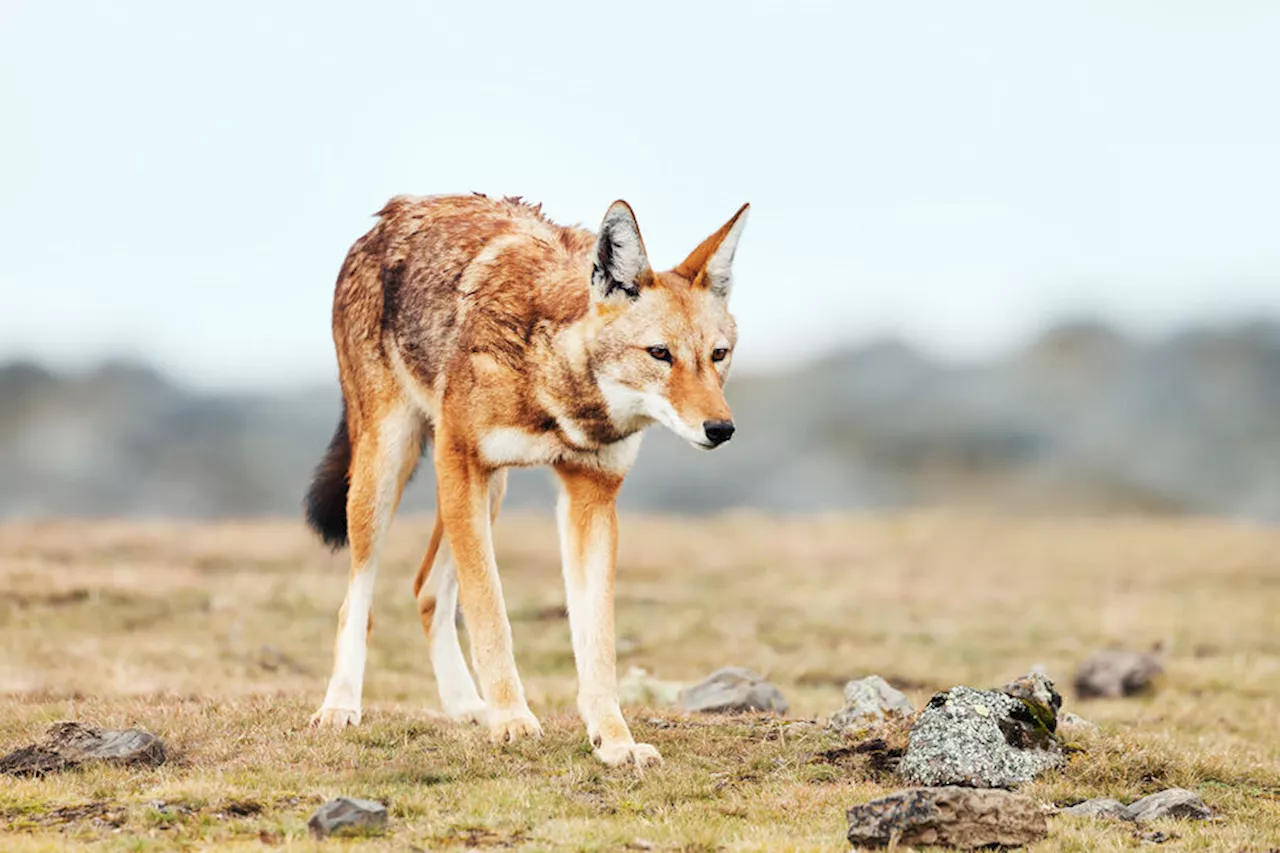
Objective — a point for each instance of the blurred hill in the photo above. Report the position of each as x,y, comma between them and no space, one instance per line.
1081,419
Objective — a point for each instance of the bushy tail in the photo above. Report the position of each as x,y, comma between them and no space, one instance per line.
326,501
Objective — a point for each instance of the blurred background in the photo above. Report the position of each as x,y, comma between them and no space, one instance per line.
1001,254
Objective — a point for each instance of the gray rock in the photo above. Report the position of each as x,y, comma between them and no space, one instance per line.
1173,802
979,738
1113,673
870,700
1037,692
733,690
1099,807
348,816
948,816
67,744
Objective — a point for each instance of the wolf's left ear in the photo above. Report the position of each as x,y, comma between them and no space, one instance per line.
711,264
621,265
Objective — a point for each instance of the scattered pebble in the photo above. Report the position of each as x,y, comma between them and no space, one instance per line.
1099,807
870,700
733,690
1113,673
1172,802
1068,722
67,744
947,816
348,815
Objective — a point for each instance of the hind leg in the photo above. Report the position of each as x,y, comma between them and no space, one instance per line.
383,457
436,589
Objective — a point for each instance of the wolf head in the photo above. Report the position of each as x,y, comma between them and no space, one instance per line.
665,339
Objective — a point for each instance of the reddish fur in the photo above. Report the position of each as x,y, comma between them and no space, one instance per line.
458,317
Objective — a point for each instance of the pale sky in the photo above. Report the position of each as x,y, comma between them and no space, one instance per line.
180,182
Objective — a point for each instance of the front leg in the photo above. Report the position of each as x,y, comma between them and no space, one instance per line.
588,520
463,486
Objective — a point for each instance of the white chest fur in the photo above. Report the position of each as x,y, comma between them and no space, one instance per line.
514,447
510,446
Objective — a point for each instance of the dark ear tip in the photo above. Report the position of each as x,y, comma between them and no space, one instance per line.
620,208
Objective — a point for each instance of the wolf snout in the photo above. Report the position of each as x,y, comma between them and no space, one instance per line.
718,432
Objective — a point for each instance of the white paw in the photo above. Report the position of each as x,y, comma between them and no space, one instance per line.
467,712
335,718
511,726
626,752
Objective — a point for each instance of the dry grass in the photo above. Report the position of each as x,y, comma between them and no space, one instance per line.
218,638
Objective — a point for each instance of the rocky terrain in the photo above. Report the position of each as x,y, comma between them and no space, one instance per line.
943,679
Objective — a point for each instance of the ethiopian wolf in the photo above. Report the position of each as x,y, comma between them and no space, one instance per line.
504,339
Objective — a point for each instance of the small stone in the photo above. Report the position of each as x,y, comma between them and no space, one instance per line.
1113,673
1068,722
1172,802
1036,690
1099,807
954,743
348,816
870,700
949,816
733,690
638,687
67,744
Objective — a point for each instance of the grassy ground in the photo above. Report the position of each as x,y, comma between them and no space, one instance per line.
218,637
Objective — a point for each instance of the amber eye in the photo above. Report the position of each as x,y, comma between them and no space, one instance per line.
719,354
660,353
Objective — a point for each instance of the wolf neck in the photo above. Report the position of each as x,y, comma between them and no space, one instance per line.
584,414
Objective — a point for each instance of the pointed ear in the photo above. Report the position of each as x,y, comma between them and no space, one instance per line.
711,264
621,265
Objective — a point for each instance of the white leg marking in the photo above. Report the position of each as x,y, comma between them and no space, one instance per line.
342,699
398,432
458,694
589,594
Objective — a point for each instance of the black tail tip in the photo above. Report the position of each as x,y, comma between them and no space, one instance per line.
326,501
329,525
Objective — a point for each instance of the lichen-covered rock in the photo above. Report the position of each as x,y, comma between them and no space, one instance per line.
948,816
348,816
979,738
1113,673
733,690
1099,807
67,744
1037,692
870,700
1172,802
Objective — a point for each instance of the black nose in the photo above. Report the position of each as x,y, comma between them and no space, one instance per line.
718,432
